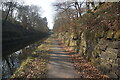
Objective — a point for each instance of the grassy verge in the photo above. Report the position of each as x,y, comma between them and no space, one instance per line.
35,64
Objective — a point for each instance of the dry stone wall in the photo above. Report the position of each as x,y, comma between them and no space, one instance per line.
100,47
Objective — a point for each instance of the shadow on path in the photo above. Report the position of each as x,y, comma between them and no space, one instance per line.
60,65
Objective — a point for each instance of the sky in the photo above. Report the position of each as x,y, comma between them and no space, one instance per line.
48,10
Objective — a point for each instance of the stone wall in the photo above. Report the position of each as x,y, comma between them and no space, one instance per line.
97,38
100,47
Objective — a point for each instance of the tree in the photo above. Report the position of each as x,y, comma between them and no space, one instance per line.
27,16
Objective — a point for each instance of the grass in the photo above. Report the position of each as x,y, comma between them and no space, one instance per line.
35,66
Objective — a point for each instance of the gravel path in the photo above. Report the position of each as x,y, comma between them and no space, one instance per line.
59,65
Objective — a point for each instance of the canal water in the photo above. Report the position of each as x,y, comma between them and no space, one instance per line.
11,62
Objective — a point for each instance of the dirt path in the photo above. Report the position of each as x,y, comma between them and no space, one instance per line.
59,65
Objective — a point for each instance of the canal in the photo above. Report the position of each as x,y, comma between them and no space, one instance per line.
11,62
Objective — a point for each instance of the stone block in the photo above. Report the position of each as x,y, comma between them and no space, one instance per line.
110,34
103,47
114,67
114,44
111,50
105,68
105,55
97,61
102,41
99,34
96,54
113,75
113,56
117,35
118,55
118,61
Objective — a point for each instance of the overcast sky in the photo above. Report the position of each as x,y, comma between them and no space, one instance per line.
48,9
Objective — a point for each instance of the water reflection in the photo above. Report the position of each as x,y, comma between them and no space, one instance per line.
13,61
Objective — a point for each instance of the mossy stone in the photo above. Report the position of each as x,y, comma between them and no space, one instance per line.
99,34
117,35
110,34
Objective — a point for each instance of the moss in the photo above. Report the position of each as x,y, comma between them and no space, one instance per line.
110,34
99,33
34,60
19,70
91,35
117,35
83,44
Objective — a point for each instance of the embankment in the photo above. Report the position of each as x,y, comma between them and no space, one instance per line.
15,37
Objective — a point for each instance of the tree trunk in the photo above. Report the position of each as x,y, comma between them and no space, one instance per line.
87,7
93,6
7,14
